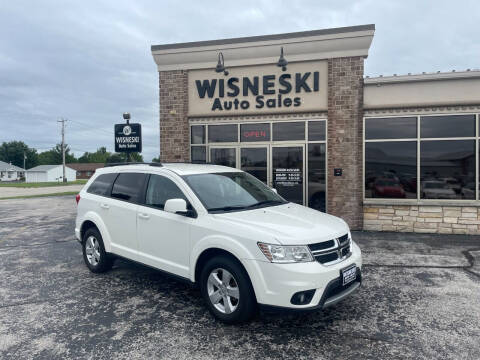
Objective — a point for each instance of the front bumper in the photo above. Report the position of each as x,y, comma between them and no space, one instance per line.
275,284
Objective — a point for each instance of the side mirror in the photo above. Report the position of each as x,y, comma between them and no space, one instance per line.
176,206
275,191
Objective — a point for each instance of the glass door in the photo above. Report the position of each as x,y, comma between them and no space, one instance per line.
226,156
288,168
254,160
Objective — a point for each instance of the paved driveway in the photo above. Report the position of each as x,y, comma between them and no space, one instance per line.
420,300
8,191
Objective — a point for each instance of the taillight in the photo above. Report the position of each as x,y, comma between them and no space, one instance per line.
77,198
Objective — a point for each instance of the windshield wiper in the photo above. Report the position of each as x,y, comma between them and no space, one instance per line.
228,208
267,202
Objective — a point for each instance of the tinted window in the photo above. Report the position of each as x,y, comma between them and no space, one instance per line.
447,126
198,134
199,154
446,168
128,186
225,157
391,169
391,128
316,130
101,185
254,132
160,189
289,131
222,133
316,176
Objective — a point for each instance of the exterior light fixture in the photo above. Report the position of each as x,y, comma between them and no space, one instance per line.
282,62
221,65
126,117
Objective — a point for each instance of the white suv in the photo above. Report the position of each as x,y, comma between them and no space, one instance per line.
220,228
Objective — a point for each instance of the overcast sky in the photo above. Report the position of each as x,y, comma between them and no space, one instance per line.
89,61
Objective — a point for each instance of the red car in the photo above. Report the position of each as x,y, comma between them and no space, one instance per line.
388,188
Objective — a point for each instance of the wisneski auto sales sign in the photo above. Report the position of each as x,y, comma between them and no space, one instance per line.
128,137
259,89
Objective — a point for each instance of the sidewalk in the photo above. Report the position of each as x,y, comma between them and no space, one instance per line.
7,192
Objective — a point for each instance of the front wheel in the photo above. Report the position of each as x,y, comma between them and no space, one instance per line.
227,291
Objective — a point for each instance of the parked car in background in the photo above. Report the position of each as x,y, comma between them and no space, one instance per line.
220,228
468,191
432,189
388,188
453,184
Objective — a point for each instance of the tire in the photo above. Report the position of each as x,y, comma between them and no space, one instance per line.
94,255
223,280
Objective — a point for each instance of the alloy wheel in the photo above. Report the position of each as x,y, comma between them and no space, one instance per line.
223,291
92,250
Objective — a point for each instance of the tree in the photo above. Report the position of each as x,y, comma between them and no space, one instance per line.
54,156
156,159
99,156
14,151
122,157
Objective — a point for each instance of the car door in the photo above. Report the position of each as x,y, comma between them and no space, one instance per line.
121,208
163,237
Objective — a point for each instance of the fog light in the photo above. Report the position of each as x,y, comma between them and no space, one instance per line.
302,297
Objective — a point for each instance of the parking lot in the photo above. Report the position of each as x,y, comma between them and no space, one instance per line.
420,299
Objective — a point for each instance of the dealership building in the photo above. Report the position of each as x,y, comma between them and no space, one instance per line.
387,153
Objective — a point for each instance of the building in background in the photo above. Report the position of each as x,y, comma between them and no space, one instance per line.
85,170
396,153
9,172
49,173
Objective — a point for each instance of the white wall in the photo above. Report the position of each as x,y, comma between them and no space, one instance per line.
52,175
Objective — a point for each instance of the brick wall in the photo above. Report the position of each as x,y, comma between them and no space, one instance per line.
345,127
174,130
423,219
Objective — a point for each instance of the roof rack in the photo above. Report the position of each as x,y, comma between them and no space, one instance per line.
134,163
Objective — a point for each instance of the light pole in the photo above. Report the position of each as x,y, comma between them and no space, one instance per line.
126,117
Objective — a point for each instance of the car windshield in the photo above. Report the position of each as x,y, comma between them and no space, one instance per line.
230,191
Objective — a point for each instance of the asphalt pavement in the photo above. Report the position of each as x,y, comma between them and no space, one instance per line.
420,299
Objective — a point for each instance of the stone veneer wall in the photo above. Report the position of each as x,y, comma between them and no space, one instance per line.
174,129
345,128
422,219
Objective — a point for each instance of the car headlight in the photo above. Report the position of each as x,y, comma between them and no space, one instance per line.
285,254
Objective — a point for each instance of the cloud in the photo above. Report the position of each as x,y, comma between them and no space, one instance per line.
90,61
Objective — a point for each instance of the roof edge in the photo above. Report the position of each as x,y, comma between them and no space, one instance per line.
282,36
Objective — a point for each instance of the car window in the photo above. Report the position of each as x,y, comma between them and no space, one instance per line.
101,185
160,189
128,186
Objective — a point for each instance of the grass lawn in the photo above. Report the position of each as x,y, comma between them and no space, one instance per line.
41,184
40,195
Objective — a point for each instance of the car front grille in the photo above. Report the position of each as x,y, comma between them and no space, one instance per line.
332,251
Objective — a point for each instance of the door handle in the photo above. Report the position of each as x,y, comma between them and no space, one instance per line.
104,206
144,216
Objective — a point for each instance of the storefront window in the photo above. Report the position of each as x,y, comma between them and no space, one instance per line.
391,128
199,154
316,176
447,126
223,133
447,169
316,130
198,134
223,156
254,132
391,169
283,131
447,163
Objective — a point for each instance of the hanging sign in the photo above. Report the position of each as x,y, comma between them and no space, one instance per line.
128,137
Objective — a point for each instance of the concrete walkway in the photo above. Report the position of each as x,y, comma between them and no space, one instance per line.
6,192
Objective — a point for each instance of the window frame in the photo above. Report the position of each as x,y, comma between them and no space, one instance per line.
418,200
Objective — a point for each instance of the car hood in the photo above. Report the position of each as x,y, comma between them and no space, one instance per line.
440,191
289,224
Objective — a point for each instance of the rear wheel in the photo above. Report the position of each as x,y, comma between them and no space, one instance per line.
227,291
94,255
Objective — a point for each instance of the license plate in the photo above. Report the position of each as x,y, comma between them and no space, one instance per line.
348,274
